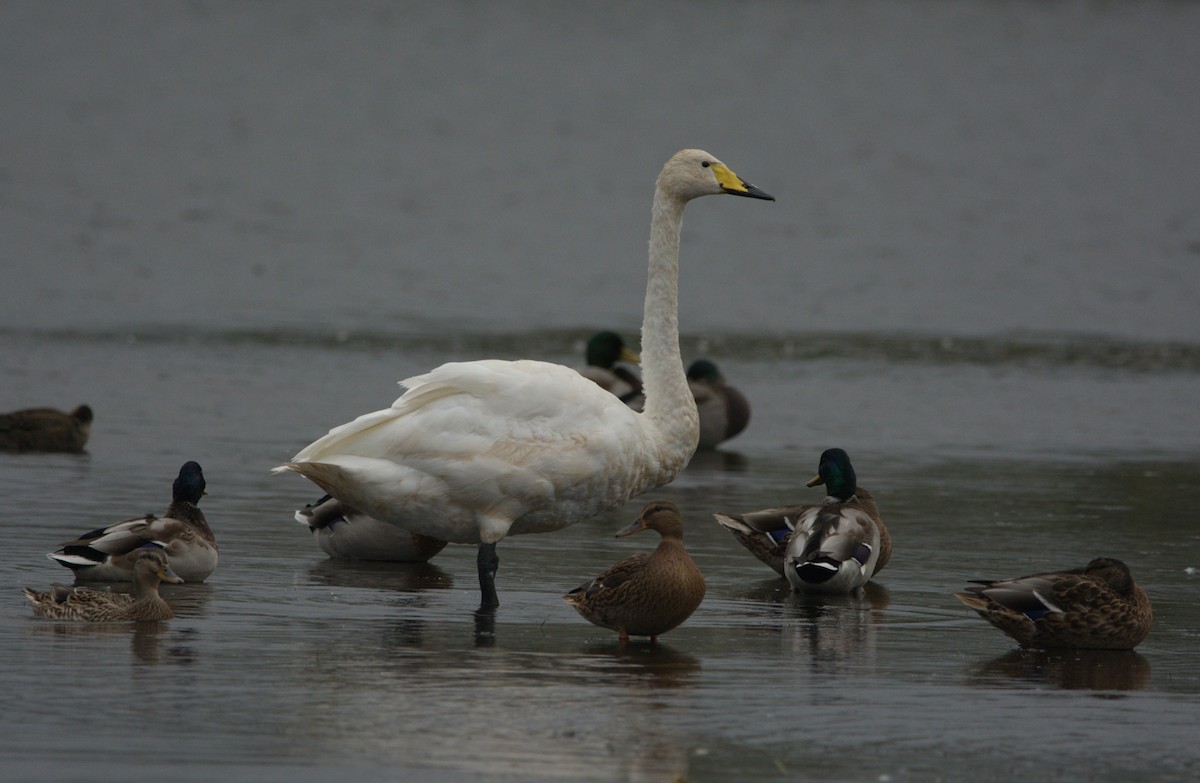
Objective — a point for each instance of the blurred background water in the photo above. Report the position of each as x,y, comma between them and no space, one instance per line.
231,226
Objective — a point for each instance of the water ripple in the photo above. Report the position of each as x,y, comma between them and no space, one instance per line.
1037,351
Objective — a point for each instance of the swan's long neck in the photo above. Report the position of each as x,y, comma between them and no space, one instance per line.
670,409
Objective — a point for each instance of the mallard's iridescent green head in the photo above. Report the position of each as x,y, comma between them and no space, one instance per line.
704,370
605,349
190,485
836,473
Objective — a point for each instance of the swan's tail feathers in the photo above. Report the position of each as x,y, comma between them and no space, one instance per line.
320,473
341,479
368,434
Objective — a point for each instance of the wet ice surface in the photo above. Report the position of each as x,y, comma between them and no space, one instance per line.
230,228
289,665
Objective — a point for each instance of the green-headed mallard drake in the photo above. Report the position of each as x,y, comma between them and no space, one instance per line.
345,533
603,351
104,554
767,533
1098,606
45,429
834,546
724,411
645,595
150,567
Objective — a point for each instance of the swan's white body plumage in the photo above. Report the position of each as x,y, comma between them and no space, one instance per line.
471,444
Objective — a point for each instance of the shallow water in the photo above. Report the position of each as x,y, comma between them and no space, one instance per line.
296,666
980,279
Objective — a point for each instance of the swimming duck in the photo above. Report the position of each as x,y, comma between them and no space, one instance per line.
345,533
475,451
1098,606
150,567
835,546
604,350
104,554
724,411
645,595
45,429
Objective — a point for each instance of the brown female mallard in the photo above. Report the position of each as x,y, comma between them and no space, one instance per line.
45,429
103,555
1098,606
835,546
97,606
645,595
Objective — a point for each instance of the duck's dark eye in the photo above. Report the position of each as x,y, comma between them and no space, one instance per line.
705,164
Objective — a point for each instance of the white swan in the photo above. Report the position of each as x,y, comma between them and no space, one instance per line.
475,451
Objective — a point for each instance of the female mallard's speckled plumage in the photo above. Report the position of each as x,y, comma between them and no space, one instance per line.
1098,606
345,533
834,546
724,411
45,429
150,567
604,350
645,595
104,554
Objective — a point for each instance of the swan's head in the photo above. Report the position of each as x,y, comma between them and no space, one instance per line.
690,174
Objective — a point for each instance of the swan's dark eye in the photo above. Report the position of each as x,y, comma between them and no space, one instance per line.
705,164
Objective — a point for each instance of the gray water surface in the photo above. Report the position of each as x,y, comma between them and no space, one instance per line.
230,227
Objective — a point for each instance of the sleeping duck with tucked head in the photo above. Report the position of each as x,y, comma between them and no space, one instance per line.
1098,606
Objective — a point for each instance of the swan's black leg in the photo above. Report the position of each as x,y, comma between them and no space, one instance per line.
488,562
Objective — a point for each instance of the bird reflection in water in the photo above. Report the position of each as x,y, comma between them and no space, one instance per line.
654,665
836,631
1095,670
380,575
158,643
152,642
